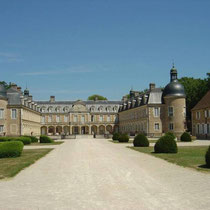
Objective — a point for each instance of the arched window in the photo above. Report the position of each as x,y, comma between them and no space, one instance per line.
58,109
66,109
43,109
100,109
92,108
50,109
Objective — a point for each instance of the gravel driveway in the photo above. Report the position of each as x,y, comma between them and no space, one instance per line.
97,174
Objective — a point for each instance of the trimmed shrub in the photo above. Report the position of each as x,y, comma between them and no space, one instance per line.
166,144
45,139
185,137
115,136
33,139
5,138
23,139
140,141
123,138
10,149
171,134
207,157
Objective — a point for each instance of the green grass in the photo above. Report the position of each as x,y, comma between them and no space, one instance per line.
11,166
188,156
46,144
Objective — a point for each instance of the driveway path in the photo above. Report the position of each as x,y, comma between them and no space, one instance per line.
97,174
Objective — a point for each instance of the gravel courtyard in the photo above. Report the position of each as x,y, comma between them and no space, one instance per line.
97,174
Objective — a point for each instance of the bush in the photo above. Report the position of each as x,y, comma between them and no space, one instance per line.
140,141
25,140
123,138
33,138
171,134
115,136
5,138
10,149
207,157
45,139
166,144
186,137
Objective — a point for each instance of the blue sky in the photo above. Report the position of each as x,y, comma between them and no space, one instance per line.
75,48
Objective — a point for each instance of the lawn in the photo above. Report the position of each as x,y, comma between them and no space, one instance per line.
189,156
46,144
11,166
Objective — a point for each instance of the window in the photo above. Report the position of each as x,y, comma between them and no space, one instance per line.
43,119
157,126
197,115
208,128
170,111
14,113
1,128
83,119
57,118
75,118
156,111
92,118
108,118
50,109
171,126
1,113
65,118
206,112
49,118
101,118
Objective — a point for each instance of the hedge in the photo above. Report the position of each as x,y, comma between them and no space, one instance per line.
166,144
123,138
207,157
140,141
115,136
185,137
33,138
10,149
45,139
24,139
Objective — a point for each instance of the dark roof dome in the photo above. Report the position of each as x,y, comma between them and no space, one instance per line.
26,92
3,91
174,88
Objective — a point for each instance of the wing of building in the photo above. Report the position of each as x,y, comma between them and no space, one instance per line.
201,118
154,112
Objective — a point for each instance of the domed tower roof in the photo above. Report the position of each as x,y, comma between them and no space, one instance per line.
26,92
3,91
174,88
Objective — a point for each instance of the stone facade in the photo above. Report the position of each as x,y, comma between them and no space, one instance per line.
156,111
201,118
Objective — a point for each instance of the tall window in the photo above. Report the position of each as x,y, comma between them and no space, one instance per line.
197,115
82,118
14,113
65,118
57,118
1,113
75,118
108,118
1,128
50,118
170,111
156,111
43,119
157,126
206,112
101,118
92,118
171,126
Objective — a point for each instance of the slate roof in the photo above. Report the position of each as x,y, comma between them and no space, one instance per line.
13,97
203,103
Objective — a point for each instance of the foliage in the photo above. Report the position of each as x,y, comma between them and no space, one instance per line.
195,89
166,144
7,86
186,137
140,141
98,97
45,139
207,157
115,136
5,138
24,139
33,138
123,138
10,149
171,134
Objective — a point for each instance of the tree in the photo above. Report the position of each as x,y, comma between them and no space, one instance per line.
7,86
195,89
97,97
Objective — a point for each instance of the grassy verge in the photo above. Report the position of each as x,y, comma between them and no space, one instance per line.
11,166
189,156
46,144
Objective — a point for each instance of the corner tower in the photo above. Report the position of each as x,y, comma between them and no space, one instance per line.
174,100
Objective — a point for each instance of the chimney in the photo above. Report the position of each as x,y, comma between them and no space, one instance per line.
52,98
151,86
19,89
